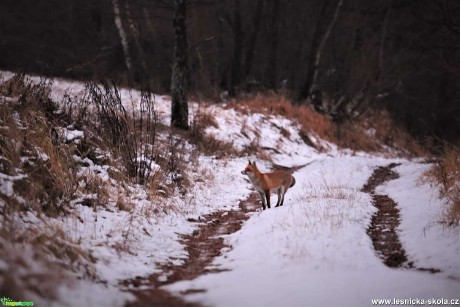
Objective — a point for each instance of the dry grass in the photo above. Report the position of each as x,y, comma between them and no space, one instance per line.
271,103
66,253
328,204
49,180
37,261
330,192
39,173
445,174
376,132
14,86
206,144
26,269
123,203
95,189
47,176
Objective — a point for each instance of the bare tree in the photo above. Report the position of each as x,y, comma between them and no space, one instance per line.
251,41
319,40
179,107
235,74
122,33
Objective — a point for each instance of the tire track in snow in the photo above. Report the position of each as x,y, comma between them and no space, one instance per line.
384,224
203,245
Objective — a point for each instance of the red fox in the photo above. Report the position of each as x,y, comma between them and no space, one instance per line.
279,181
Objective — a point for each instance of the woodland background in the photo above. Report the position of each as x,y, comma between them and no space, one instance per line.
400,55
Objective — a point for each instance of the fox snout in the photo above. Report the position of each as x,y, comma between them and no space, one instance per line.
246,171
250,168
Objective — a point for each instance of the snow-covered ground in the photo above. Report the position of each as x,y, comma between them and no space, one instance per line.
312,251
428,243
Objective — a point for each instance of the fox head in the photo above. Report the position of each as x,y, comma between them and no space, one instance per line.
250,169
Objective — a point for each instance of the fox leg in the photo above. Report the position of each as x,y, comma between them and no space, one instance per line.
267,195
262,196
282,193
279,198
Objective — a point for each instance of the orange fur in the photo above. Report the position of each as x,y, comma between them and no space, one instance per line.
279,181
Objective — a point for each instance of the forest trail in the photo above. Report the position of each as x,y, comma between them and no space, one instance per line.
385,222
203,245
206,243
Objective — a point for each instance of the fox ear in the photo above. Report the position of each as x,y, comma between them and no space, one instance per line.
254,163
249,162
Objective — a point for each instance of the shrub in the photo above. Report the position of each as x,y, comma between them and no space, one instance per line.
129,136
375,132
445,174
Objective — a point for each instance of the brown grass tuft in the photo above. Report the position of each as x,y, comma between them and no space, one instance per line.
14,86
445,174
375,131
49,180
202,119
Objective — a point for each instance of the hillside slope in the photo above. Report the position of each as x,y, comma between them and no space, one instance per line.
96,192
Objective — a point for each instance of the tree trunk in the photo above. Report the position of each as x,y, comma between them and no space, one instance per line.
382,49
251,41
316,50
179,107
122,33
272,68
235,75
135,33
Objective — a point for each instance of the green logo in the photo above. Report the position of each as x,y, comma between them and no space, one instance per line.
9,302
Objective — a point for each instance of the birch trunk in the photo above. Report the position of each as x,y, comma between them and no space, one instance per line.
315,58
122,33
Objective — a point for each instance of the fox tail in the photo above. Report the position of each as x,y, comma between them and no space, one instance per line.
293,182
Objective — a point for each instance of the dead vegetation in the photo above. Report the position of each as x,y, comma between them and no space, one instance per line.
86,151
44,172
93,151
274,104
445,175
375,132
203,118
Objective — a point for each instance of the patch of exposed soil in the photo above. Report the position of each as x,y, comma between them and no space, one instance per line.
385,221
203,245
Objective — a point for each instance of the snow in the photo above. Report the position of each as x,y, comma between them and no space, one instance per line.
273,134
74,134
428,243
312,251
7,182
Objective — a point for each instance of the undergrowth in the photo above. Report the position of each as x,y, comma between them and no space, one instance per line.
376,132
270,103
203,118
445,175
92,151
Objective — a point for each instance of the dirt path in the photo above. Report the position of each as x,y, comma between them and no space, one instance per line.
385,222
203,245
